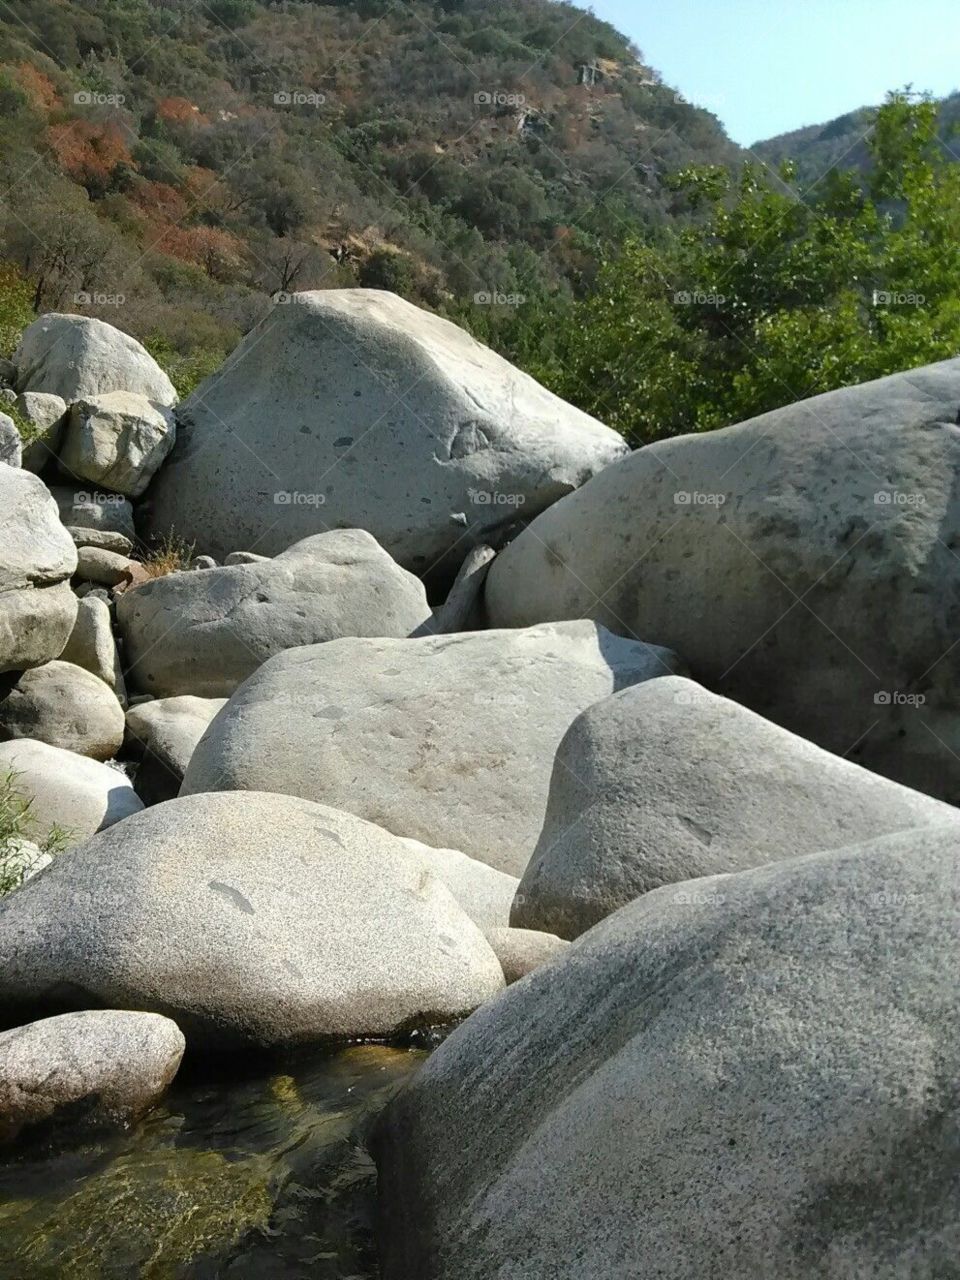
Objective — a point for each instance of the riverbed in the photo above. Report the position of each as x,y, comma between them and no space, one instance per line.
252,1170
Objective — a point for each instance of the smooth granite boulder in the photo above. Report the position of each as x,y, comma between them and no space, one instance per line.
250,919
665,782
760,1082
353,408
804,563
447,739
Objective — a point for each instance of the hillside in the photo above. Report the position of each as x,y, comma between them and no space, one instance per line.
842,143
168,166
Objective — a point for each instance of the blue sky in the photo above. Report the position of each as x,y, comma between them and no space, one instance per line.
766,66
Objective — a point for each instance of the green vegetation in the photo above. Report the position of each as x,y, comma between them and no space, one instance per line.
512,164
170,167
769,298
17,827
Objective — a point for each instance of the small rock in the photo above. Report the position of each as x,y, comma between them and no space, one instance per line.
105,539
95,1068
46,414
244,557
37,558
520,951
165,732
95,564
203,562
10,443
19,861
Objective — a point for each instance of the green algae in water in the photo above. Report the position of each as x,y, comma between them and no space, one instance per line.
262,1175
147,1214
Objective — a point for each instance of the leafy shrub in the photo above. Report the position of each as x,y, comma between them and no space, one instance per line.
16,311
769,298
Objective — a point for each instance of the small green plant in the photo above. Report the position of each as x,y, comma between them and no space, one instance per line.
17,829
28,431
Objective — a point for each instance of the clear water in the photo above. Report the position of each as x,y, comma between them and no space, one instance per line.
257,1171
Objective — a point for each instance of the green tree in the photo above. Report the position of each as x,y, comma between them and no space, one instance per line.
767,297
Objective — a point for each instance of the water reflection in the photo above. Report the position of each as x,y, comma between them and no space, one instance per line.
254,1172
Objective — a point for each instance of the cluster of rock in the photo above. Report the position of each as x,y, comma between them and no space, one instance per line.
606,797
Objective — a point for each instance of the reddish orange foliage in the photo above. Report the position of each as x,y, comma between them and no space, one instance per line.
218,252
180,111
160,201
38,87
88,152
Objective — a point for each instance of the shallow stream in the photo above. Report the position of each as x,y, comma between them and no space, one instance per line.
248,1173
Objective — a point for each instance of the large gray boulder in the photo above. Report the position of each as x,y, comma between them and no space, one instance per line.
37,557
758,1084
804,563
99,1067
76,356
68,793
117,441
353,408
164,733
665,782
204,633
66,706
447,739
249,918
